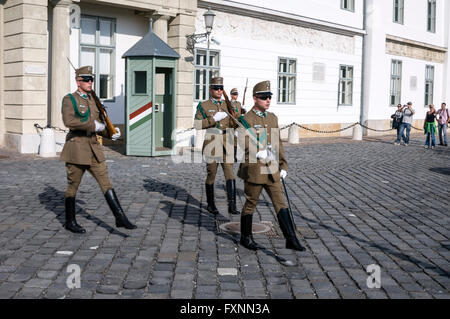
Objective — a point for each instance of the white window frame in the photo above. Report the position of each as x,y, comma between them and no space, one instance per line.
429,82
289,91
343,96
98,47
396,82
348,5
398,11
212,71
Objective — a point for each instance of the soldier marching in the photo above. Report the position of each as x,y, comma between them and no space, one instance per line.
264,172
82,151
212,115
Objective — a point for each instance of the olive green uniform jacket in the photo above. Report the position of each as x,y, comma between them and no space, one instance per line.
81,141
252,172
204,119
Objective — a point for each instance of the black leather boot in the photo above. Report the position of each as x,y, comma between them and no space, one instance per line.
114,205
210,199
287,227
71,222
231,196
246,233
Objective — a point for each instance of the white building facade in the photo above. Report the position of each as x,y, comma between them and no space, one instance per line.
406,58
311,51
331,63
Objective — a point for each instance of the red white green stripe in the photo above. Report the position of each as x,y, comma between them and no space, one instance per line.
140,116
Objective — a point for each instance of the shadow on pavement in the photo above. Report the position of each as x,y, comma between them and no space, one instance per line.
179,193
441,170
399,255
52,195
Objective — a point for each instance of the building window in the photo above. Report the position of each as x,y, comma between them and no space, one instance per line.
348,5
287,76
398,11
429,84
431,16
97,48
207,66
396,82
346,85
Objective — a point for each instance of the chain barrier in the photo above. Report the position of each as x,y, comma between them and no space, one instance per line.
186,130
371,129
283,128
49,126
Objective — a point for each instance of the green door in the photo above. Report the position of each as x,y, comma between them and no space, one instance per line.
138,115
163,110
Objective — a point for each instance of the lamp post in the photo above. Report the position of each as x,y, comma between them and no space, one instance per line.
192,39
208,16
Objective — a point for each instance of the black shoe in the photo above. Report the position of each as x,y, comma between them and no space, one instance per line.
114,205
287,227
210,199
71,222
246,233
231,196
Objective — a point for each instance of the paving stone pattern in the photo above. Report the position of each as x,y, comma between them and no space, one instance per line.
355,204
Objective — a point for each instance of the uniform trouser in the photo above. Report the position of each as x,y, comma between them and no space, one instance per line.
75,173
252,192
211,170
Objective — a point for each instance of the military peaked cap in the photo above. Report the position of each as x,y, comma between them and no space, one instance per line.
217,81
84,71
262,88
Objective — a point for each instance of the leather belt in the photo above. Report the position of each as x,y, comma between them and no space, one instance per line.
80,133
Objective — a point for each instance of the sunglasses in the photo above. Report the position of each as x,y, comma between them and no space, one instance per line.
87,79
234,93
264,97
217,87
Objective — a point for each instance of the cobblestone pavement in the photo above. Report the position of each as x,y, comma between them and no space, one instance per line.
355,204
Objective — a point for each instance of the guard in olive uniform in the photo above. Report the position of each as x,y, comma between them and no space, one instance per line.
264,171
235,103
210,115
82,151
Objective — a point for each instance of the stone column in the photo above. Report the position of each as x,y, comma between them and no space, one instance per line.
180,26
160,26
60,66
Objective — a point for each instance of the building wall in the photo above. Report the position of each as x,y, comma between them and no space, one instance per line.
26,66
25,72
323,10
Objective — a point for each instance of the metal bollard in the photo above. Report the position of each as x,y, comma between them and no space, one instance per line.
293,137
47,146
357,133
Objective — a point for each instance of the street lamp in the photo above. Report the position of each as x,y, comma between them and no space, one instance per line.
192,39
209,20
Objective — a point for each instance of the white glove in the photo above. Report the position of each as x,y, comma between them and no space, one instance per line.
219,116
236,133
283,174
261,155
99,127
117,135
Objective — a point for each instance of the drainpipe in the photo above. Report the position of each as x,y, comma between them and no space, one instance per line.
363,111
